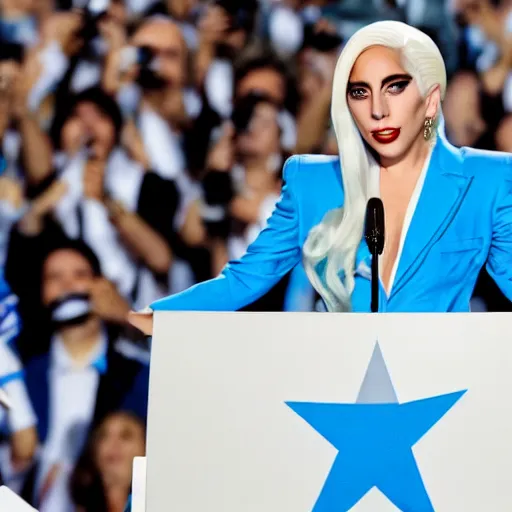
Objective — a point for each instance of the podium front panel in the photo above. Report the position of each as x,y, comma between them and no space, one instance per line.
297,412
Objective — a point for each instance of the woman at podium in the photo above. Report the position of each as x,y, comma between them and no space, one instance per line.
447,211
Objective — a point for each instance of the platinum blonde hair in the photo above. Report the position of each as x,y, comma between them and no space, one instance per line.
336,239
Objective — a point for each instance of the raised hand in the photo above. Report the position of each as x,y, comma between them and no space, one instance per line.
221,156
31,223
107,302
63,27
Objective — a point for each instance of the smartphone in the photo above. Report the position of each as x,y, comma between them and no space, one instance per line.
135,56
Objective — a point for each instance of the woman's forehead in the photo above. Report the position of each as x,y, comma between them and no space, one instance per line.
375,60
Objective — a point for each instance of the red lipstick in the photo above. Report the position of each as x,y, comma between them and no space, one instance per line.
386,135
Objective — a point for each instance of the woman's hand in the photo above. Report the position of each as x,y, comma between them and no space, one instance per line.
64,28
107,302
31,223
132,141
11,191
222,155
142,320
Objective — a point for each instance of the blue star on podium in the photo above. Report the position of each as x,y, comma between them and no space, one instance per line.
374,438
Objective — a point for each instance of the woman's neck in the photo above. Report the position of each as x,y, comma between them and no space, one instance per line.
117,496
413,160
255,164
81,340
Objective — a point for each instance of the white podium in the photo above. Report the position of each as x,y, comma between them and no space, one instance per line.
11,502
303,412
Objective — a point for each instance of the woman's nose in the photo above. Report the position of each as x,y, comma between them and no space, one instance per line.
379,108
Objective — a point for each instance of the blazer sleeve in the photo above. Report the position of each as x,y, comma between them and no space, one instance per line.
499,261
274,253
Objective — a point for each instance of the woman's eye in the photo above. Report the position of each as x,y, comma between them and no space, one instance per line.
357,93
398,87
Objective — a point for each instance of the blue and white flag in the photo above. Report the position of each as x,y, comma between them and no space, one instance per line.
10,323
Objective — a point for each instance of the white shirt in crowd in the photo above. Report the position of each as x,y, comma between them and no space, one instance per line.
72,399
19,417
21,414
123,181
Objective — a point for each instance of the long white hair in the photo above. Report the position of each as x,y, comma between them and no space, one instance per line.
337,238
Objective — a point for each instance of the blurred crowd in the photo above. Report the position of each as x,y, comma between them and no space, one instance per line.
142,144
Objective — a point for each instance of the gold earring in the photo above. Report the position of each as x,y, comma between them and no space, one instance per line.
428,128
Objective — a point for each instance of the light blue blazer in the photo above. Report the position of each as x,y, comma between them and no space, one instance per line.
462,221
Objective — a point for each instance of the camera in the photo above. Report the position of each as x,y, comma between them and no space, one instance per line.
145,59
135,55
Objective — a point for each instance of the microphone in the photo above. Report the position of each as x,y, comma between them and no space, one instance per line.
374,235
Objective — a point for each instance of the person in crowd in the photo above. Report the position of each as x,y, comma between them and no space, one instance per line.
225,30
101,481
262,72
117,205
165,111
185,13
18,434
155,96
477,106
148,75
245,164
317,62
25,152
486,80
256,71
79,375
388,87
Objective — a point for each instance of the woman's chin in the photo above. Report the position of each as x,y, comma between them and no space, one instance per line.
389,153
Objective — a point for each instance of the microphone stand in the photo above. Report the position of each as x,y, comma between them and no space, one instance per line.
375,279
375,240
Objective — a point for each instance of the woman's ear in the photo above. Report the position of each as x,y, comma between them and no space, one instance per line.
433,101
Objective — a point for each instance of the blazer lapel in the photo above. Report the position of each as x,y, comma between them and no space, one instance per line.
443,191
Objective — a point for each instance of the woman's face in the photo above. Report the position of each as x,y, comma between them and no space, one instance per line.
386,105
88,124
119,440
262,138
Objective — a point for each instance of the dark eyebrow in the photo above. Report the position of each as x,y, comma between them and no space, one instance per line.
392,78
385,81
